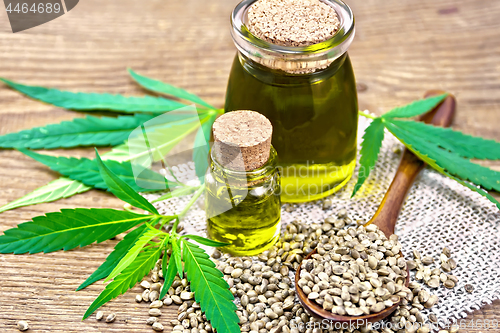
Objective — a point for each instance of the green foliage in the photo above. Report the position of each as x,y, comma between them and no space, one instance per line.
169,273
94,101
462,144
68,229
154,146
205,241
167,89
427,159
121,189
178,192
370,148
132,254
448,161
87,171
445,150
416,108
88,131
176,253
211,291
59,188
169,129
142,139
121,249
202,148
141,266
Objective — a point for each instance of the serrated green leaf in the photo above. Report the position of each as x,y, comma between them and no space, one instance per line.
130,151
179,192
121,249
96,101
450,164
169,273
202,148
132,254
121,189
68,229
167,89
176,253
462,144
59,188
87,171
211,292
205,241
88,131
436,167
370,148
416,108
141,266
154,145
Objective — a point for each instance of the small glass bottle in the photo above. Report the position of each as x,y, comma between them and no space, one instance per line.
309,95
242,199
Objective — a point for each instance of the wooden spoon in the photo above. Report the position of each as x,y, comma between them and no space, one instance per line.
387,214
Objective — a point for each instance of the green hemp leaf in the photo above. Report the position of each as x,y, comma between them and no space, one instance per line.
370,148
446,150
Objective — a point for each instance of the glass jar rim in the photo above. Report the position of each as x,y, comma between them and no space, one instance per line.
341,39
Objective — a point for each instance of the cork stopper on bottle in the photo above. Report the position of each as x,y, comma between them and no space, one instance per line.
242,140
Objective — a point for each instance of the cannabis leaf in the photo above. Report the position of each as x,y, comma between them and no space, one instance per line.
211,291
104,131
168,274
444,149
432,162
416,108
121,189
176,253
462,144
87,171
121,249
175,126
167,89
205,241
95,101
59,188
68,229
201,148
139,268
179,192
153,146
370,148
134,252
451,162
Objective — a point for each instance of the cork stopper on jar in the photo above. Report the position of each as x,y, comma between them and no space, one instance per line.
242,140
293,22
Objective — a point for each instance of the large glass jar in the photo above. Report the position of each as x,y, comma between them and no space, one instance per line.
309,95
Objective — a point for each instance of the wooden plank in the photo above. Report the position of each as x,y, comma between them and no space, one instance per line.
402,49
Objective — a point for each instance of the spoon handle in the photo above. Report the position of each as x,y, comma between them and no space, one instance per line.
409,168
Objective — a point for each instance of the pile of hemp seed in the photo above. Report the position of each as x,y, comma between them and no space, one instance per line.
264,290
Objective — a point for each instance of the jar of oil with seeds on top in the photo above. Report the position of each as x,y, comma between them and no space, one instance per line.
292,66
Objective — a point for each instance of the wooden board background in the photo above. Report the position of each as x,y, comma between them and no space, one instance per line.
402,48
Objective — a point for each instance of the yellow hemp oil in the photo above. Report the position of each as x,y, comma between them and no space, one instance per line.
309,95
242,199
